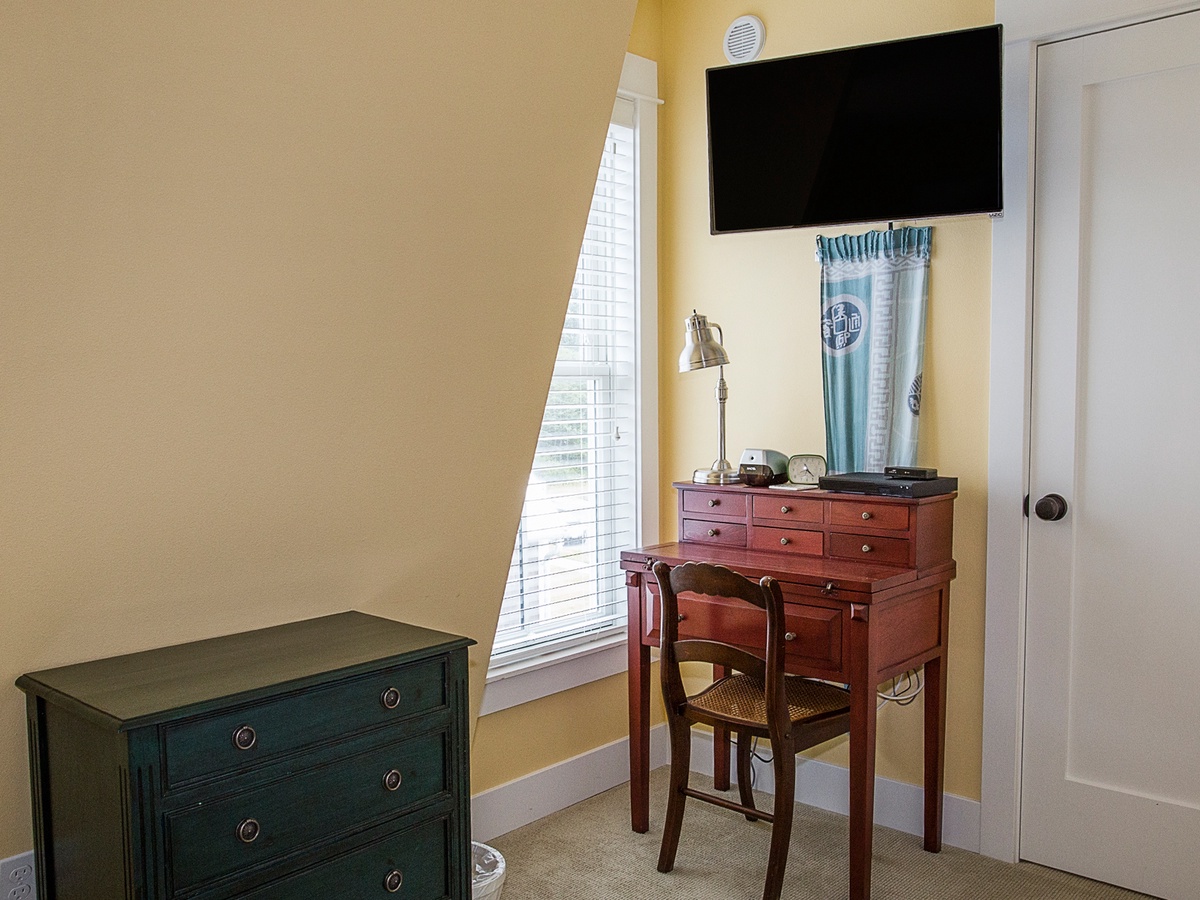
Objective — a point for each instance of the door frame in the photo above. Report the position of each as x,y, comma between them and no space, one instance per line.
1035,22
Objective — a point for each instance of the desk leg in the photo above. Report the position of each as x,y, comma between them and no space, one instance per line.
720,744
935,750
639,709
862,752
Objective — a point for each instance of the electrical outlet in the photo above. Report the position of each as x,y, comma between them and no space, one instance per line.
17,878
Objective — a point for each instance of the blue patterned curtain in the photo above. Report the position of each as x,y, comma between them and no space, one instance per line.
873,292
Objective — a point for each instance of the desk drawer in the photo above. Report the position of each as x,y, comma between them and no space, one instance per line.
704,532
418,854
869,548
788,508
717,503
788,540
816,648
208,746
864,514
212,838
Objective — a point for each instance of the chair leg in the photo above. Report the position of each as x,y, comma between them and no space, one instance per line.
781,829
681,763
745,780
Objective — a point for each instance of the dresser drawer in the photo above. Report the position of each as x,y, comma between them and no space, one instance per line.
417,854
869,548
718,503
788,540
864,514
227,833
707,532
214,745
787,509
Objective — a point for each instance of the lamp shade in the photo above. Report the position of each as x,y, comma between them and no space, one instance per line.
700,349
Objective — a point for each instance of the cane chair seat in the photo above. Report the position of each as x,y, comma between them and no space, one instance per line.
742,699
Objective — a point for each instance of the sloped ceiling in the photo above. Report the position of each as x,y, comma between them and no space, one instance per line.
280,290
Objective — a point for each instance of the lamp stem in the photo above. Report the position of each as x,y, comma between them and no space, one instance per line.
722,395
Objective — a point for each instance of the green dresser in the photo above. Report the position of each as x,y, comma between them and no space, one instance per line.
323,758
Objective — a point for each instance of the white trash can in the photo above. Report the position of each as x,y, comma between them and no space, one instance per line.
487,872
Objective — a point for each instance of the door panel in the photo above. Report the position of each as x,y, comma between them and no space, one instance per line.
1112,722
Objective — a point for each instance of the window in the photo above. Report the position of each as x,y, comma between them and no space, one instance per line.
584,503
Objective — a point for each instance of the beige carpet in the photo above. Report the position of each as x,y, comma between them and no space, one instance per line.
587,851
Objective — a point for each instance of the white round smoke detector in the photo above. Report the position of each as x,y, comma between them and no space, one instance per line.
744,39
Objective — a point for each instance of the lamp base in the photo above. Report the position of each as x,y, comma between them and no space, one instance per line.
716,475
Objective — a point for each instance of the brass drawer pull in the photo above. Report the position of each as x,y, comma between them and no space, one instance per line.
392,881
244,738
713,532
248,831
785,509
714,502
390,698
790,636
867,548
784,541
866,515
679,617
392,779
829,588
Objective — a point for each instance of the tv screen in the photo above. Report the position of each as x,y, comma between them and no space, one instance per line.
883,132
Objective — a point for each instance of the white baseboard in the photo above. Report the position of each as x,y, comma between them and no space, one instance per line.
897,805
508,806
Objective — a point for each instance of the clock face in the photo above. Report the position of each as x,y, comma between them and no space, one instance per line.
805,468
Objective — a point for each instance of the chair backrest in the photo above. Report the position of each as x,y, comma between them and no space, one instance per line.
717,581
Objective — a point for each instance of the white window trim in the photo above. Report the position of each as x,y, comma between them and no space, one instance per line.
530,679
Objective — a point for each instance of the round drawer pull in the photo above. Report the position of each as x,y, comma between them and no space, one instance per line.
714,502
392,779
784,541
866,548
790,636
390,698
392,881
244,738
713,532
680,617
785,509
248,831
866,515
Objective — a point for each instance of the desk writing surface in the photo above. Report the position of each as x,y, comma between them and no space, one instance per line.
810,570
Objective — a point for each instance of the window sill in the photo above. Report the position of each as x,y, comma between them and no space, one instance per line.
532,679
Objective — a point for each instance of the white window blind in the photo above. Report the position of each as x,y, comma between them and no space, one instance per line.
564,585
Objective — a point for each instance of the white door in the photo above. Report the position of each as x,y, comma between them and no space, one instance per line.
1111,755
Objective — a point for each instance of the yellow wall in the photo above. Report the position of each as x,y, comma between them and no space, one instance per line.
273,277
763,289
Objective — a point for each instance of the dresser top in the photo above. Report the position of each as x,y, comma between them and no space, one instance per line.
150,685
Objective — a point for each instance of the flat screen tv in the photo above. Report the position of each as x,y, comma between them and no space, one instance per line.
901,130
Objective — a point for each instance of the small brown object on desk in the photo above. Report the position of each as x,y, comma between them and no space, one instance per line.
866,585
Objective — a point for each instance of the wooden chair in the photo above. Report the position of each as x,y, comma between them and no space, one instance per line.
757,700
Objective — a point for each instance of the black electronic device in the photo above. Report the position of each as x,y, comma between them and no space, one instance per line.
913,473
882,485
899,130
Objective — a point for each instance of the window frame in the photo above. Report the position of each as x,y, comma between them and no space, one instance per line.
522,680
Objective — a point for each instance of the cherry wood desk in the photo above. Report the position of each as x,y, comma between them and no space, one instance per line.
866,581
